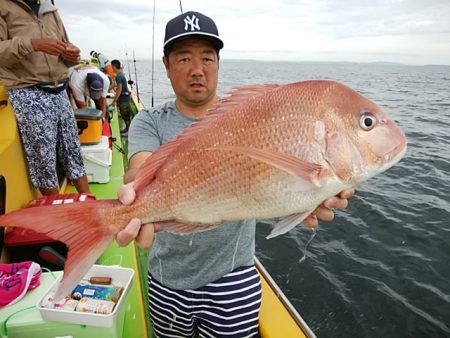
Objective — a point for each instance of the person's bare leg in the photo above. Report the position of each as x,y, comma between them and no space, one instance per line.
49,191
82,185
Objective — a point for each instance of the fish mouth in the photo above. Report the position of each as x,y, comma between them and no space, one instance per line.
391,158
397,153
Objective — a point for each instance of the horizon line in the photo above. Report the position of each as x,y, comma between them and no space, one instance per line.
393,63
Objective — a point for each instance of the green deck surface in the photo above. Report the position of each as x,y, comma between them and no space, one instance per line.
131,256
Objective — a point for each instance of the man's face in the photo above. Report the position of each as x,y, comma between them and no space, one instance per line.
193,70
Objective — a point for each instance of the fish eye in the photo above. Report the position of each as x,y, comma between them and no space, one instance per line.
367,121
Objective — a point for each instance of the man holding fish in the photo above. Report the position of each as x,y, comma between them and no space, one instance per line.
200,163
190,274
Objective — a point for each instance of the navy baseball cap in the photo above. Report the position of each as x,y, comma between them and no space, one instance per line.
95,85
191,24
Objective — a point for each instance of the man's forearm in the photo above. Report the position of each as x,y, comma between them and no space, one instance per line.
130,175
81,104
136,162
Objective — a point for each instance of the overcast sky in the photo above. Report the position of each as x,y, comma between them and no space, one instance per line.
405,31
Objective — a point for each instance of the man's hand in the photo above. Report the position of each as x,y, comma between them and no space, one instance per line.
71,53
144,234
325,212
49,46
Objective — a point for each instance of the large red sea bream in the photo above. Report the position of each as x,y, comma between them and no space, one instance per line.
265,151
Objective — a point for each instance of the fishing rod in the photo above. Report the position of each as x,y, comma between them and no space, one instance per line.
135,77
128,64
181,7
153,52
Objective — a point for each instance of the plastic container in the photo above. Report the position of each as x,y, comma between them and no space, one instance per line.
24,320
120,277
89,123
97,160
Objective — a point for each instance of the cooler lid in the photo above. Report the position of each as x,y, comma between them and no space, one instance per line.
19,237
88,114
100,147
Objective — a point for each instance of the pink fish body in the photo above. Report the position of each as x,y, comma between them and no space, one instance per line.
265,151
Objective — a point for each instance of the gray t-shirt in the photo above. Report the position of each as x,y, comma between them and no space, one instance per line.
194,260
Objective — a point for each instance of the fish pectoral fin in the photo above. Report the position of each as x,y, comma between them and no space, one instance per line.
186,229
306,171
288,223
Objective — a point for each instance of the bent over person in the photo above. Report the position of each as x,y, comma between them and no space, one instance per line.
35,54
88,80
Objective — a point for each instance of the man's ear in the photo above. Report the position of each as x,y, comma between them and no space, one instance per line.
166,64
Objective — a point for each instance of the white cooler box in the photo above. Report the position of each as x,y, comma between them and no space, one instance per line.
97,160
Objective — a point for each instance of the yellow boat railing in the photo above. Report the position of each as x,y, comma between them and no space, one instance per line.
278,317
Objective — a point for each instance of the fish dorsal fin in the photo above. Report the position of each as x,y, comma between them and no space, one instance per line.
250,90
241,94
147,171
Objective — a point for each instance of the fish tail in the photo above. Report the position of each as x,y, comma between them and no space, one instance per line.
78,225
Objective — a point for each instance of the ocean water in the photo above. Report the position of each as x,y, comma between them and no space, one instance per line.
382,267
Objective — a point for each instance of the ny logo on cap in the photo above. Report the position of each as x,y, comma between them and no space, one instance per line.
193,22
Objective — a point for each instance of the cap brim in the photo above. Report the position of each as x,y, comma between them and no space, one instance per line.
95,95
218,44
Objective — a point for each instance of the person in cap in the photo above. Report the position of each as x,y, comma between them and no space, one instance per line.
103,62
203,284
89,81
102,59
35,54
123,95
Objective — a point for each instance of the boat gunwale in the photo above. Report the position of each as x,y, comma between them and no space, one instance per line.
284,300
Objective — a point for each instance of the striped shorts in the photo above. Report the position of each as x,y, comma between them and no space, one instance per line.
48,128
227,307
